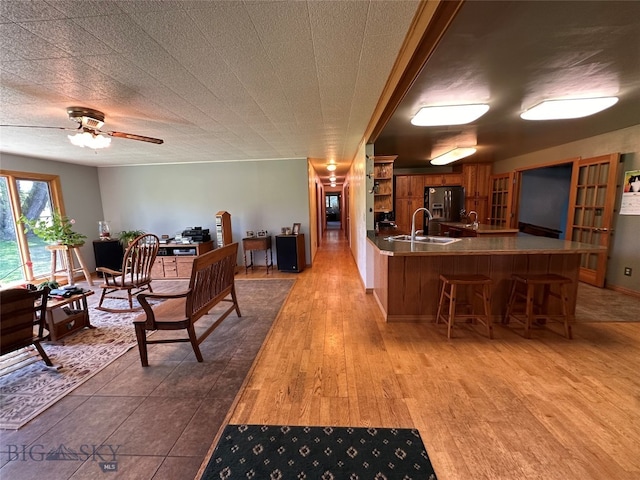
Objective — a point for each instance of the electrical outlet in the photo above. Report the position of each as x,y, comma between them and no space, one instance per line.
627,271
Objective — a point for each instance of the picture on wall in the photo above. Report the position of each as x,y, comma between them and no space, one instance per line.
630,204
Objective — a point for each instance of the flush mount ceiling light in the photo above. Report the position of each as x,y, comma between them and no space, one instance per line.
90,140
453,155
332,179
568,108
331,167
333,184
449,115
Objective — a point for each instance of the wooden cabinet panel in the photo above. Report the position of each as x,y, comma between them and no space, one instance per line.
403,186
475,179
170,265
448,179
417,186
404,209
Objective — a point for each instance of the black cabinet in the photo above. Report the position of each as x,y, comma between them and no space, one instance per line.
108,253
290,251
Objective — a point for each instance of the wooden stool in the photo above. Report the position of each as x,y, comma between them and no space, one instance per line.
480,286
535,311
66,252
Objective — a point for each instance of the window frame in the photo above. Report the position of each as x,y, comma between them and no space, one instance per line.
55,189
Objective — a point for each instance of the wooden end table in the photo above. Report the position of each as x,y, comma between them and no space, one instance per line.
250,244
59,323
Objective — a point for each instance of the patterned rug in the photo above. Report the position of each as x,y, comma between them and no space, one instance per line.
34,387
327,453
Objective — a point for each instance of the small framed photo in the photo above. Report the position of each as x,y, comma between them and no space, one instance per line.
296,229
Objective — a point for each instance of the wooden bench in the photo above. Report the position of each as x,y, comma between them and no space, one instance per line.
212,281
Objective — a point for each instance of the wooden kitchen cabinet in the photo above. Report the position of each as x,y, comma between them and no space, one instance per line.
476,183
409,196
175,260
440,179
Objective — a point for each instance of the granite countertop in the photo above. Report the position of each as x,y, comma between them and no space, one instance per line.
481,228
518,245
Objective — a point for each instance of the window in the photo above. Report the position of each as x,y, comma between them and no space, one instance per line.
24,257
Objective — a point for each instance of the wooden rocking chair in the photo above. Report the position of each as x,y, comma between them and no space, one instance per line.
134,276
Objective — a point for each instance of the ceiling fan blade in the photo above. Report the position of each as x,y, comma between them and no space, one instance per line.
40,126
131,136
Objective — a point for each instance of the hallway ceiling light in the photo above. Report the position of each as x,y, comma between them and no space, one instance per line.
332,167
449,115
332,179
453,155
333,184
568,108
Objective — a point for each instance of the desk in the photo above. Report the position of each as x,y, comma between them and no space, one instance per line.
250,244
59,323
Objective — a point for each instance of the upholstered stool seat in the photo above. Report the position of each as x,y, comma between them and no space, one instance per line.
533,292
476,286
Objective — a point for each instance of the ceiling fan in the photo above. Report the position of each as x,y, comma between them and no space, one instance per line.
88,132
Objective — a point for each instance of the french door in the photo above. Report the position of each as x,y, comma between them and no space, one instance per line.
591,205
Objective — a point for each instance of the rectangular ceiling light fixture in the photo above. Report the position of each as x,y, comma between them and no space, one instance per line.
449,115
568,108
453,155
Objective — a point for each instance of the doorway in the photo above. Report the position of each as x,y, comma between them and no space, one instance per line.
333,210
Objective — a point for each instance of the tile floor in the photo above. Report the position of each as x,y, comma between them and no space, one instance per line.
157,423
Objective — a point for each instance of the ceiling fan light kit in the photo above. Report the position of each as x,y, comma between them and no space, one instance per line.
90,140
449,115
454,155
568,108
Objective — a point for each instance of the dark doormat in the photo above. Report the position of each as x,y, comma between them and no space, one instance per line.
282,452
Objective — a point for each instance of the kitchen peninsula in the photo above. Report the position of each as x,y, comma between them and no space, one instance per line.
406,275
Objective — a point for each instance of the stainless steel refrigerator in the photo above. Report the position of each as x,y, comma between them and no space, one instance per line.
445,204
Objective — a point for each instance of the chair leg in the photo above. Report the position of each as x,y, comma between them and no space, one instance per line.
104,292
235,300
141,336
42,353
441,303
194,342
529,314
512,298
487,309
564,299
452,309
130,299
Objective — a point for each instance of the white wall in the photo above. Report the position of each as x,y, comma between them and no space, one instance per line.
624,248
358,215
166,199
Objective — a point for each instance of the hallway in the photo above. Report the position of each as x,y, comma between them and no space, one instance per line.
506,408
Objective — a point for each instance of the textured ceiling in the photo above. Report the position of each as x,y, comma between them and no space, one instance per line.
513,55
216,80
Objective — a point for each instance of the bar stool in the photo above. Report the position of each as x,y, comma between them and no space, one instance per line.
526,287
477,286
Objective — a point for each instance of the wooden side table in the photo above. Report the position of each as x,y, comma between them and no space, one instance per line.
257,243
60,323
67,251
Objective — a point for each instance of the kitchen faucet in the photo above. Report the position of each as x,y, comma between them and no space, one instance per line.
475,218
413,221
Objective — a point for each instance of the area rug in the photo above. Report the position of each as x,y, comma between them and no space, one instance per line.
286,452
27,391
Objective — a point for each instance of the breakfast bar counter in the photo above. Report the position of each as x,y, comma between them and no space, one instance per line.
406,274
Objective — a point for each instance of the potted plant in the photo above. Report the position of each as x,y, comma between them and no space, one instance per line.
127,236
54,230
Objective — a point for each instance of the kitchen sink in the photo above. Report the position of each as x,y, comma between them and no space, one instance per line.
422,239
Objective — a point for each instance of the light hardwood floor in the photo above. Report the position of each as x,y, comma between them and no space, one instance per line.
508,408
